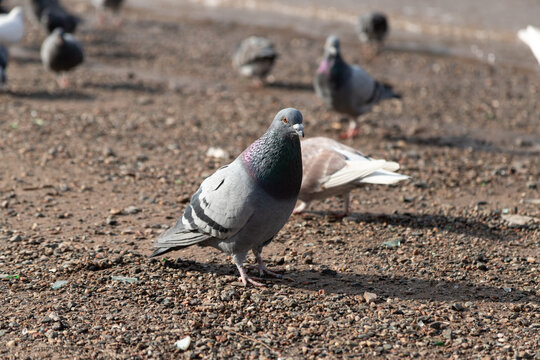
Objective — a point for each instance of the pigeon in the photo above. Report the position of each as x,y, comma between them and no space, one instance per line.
3,10
12,26
347,89
4,57
334,169
57,17
111,5
531,37
372,28
254,58
51,15
61,52
243,205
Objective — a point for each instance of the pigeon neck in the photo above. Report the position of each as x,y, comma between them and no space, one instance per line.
275,162
331,64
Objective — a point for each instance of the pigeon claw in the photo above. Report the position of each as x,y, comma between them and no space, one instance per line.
264,271
245,279
349,134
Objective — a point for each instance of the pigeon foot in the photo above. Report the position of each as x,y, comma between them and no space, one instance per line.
263,270
245,279
349,134
64,82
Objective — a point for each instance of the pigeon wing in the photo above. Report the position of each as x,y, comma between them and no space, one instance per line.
219,209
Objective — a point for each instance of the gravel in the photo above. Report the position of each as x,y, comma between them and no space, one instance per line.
428,269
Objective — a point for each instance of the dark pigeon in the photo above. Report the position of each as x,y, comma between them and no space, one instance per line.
61,52
51,15
373,28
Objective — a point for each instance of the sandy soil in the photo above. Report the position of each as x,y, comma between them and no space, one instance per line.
91,175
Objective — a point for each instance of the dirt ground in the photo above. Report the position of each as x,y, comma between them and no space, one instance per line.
90,176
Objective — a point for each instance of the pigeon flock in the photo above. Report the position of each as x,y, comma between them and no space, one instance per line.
60,51
243,205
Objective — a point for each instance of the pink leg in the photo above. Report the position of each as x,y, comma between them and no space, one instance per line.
300,208
351,132
63,81
245,278
345,212
118,21
263,270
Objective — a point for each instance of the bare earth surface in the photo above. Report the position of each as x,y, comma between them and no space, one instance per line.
90,176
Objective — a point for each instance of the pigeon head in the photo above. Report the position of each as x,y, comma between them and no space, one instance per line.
275,159
58,34
288,121
331,48
331,53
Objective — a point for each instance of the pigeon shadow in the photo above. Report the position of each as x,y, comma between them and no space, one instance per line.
407,288
122,54
461,142
290,86
52,95
459,225
129,86
418,48
455,224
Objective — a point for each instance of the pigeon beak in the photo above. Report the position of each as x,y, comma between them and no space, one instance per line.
299,128
331,50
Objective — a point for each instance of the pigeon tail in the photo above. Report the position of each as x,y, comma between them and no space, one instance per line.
160,251
384,91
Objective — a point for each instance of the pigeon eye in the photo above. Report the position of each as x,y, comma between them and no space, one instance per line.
285,120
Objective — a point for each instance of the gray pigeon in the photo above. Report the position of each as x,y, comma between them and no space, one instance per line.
372,28
4,57
243,205
113,6
61,52
333,169
254,58
345,88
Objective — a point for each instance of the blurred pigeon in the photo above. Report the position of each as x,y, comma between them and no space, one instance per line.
333,169
372,28
531,37
57,17
51,15
4,57
254,58
35,8
12,26
111,5
3,10
347,89
243,205
61,52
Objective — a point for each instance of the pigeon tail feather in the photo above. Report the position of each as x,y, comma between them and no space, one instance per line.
383,177
384,91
